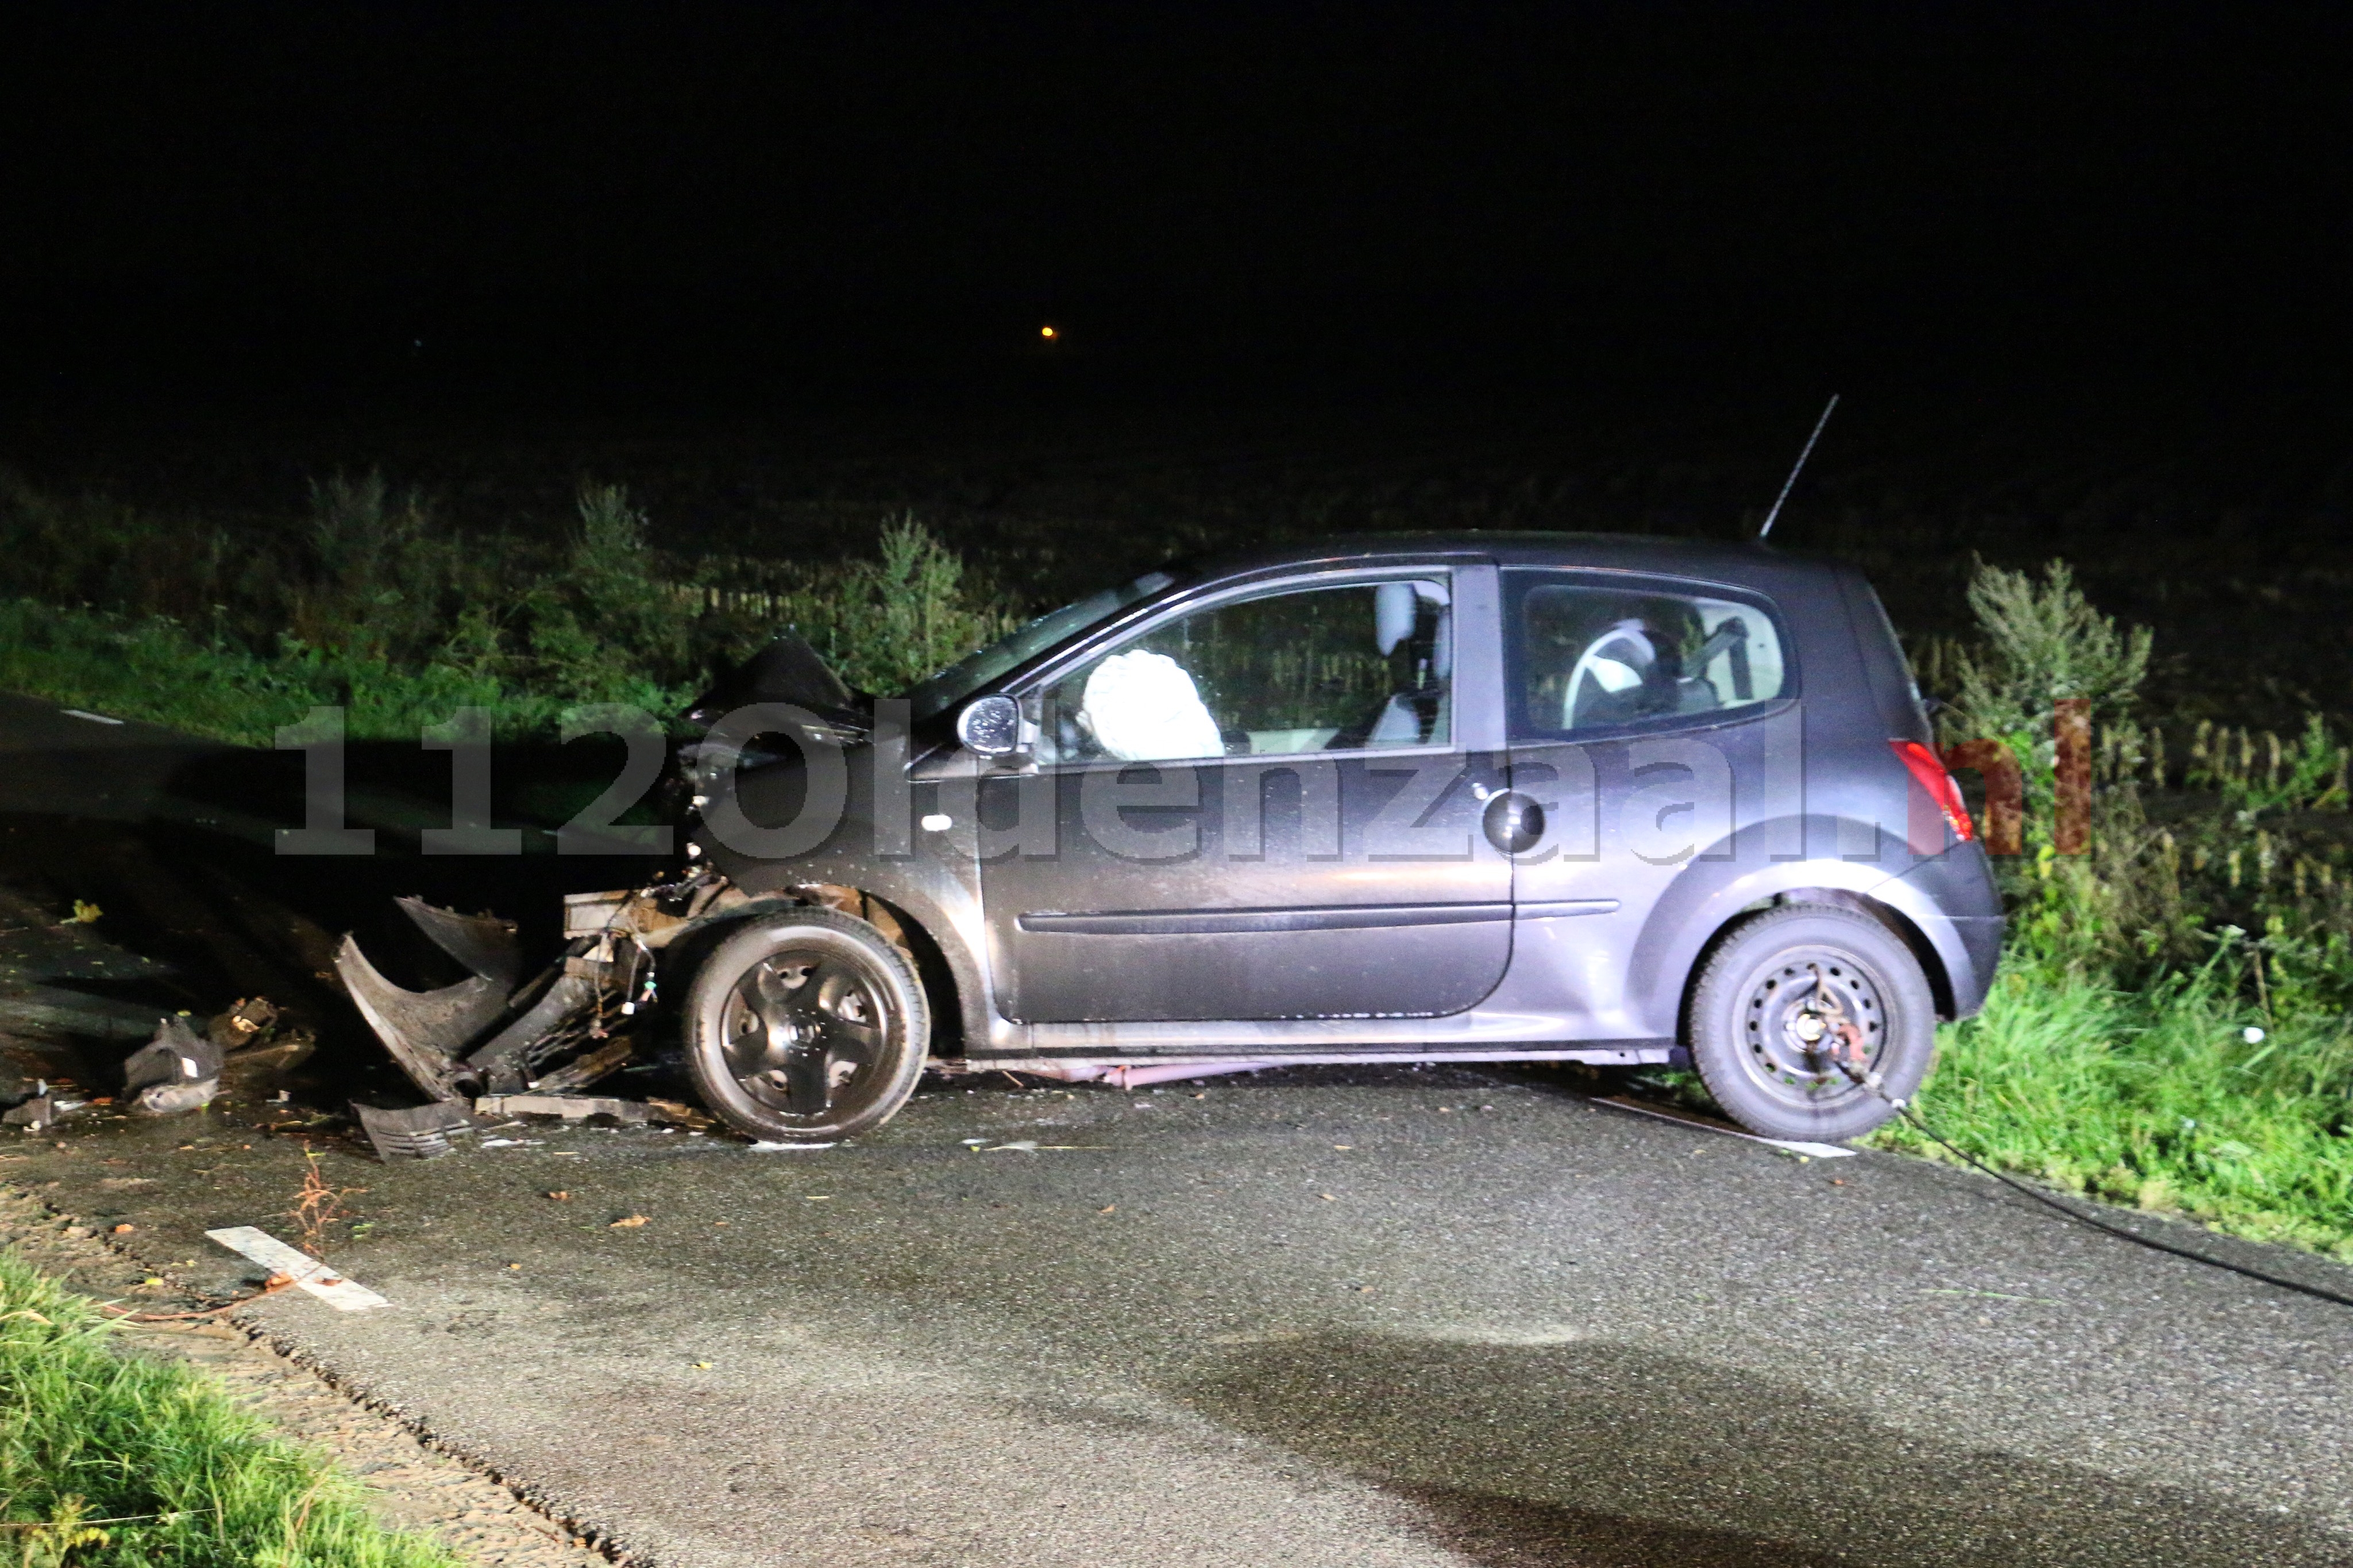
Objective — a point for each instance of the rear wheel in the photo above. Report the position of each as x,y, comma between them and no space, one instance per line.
1796,1006
805,1027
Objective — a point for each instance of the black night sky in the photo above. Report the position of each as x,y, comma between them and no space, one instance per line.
675,207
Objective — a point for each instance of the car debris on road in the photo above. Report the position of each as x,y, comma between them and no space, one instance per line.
418,1132
38,1114
177,1070
496,1034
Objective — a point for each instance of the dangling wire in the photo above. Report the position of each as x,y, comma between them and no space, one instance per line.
1872,1083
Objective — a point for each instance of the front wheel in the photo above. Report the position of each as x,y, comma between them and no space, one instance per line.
1796,1005
806,1026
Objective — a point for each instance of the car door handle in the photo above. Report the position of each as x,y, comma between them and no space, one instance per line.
1514,821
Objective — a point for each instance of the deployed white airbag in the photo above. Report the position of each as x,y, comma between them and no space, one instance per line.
1143,707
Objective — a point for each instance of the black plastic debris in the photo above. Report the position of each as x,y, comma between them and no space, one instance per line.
419,1132
177,1070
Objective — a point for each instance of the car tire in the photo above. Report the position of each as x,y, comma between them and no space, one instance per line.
1780,1062
806,1026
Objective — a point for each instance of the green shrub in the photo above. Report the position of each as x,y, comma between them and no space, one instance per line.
371,603
886,623
2115,1056
2042,641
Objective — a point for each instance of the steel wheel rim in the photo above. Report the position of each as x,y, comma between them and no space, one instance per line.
1790,1043
808,1033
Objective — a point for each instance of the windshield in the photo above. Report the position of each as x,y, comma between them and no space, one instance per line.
975,670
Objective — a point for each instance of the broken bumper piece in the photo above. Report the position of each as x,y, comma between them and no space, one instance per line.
177,1070
497,1033
419,1132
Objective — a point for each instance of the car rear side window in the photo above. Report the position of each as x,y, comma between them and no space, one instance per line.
1589,656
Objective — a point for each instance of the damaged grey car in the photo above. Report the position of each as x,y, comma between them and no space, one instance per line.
1476,797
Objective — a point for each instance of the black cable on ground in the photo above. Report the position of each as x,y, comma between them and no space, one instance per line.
1905,1111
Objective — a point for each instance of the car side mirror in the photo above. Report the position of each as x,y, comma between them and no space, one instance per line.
990,726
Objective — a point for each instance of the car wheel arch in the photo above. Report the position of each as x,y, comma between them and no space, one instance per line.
1897,923
944,986
1684,930
942,967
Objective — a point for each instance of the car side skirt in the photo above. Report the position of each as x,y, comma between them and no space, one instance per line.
1606,1053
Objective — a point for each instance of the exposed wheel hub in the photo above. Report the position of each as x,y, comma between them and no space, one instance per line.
1813,1024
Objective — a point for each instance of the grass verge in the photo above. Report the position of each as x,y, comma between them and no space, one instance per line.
372,604
107,1459
155,670
2183,1098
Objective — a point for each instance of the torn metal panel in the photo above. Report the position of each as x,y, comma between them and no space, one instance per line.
554,1031
603,1062
511,1057
786,671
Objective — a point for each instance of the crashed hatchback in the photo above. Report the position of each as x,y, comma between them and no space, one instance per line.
1473,797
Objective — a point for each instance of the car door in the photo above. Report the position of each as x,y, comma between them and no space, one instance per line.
1267,803
1655,724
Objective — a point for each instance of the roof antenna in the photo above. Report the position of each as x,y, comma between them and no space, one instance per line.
1790,483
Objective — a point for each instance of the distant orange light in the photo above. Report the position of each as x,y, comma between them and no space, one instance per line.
1047,332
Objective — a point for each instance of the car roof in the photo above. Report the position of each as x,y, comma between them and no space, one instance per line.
1734,561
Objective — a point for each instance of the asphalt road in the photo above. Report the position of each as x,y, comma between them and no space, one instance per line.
1317,1317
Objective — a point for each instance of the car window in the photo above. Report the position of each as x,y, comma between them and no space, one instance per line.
969,674
1587,656
1368,665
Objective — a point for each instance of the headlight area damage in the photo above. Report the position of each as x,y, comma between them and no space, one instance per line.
497,1045
495,1032
500,1044
497,1042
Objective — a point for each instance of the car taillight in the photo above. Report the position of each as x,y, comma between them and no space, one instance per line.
1928,769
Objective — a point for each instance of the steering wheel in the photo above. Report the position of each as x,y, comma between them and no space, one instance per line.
1620,659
